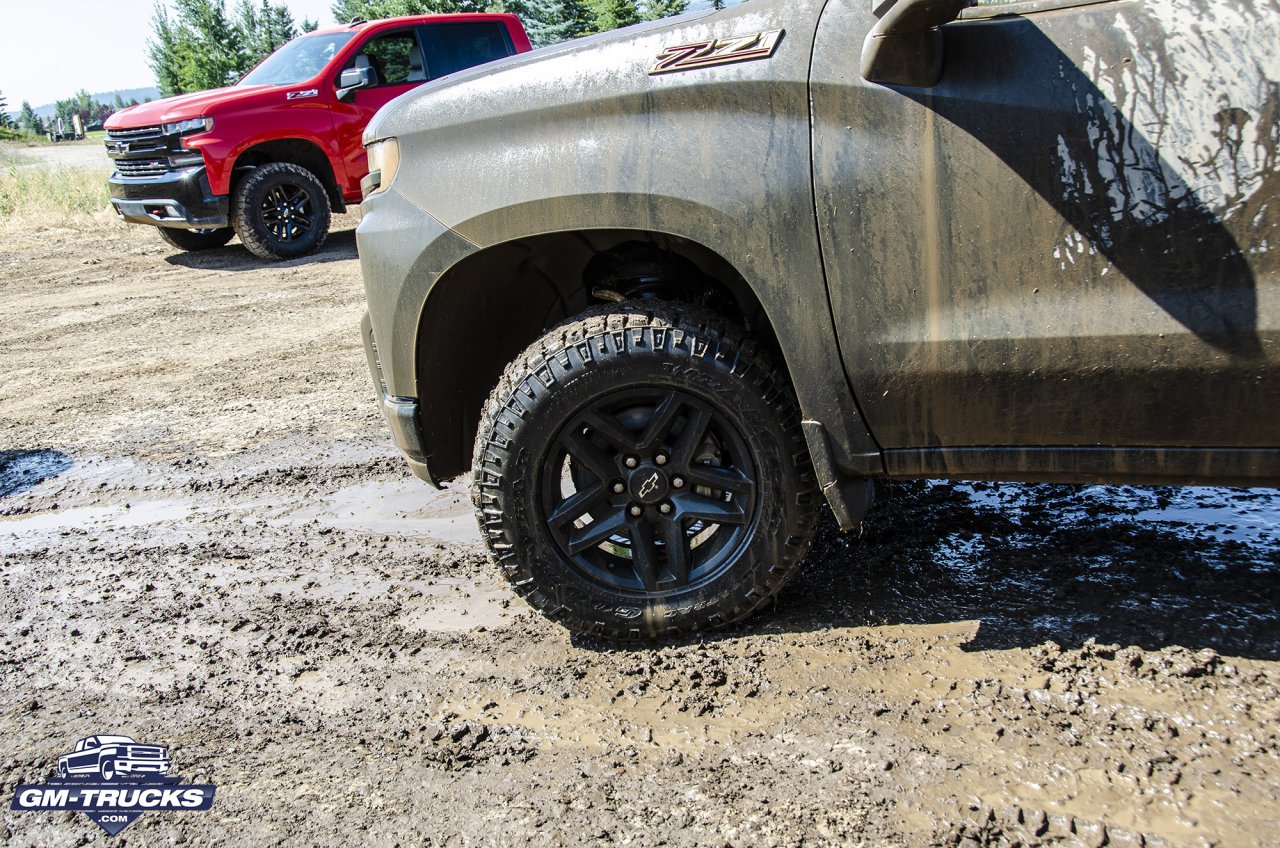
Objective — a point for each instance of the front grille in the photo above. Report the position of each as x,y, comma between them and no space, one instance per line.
140,152
135,133
142,167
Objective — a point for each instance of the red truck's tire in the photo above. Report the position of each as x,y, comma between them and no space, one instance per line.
196,239
280,211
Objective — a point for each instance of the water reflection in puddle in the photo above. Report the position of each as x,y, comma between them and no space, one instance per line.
405,508
34,530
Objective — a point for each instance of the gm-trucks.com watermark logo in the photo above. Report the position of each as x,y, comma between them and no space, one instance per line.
113,780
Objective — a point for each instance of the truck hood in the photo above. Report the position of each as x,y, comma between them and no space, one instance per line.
602,53
199,104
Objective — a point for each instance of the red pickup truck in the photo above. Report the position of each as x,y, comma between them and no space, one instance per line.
269,158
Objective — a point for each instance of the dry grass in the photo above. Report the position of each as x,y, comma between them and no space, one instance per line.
37,194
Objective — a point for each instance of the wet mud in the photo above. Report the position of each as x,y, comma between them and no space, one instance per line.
206,541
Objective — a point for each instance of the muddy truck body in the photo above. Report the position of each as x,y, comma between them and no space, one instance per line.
738,263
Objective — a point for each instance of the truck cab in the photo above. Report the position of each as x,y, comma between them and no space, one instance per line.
272,156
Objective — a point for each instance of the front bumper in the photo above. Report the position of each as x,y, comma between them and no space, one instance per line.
176,199
403,251
401,412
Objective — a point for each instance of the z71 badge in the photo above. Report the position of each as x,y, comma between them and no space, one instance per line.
717,51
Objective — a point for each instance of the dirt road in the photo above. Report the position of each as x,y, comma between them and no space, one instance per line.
207,542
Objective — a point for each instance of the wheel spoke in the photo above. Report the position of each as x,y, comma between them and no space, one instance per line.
618,437
581,449
676,545
596,532
694,506
644,553
722,479
576,505
664,417
695,426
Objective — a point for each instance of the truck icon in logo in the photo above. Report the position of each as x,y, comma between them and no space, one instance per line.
112,779
112,757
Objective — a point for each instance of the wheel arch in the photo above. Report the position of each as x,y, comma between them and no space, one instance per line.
297,151
512,292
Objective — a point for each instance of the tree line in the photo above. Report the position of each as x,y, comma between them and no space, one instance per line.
546,21
203,44
92,112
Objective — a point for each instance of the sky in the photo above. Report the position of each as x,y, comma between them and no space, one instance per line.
50,50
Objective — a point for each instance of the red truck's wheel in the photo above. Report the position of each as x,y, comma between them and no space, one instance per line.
280,211
197,239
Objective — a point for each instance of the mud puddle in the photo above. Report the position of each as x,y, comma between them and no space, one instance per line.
409,508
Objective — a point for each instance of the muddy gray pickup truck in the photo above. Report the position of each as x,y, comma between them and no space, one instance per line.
666,291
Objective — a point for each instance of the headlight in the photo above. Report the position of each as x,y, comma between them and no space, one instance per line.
384,161
189,126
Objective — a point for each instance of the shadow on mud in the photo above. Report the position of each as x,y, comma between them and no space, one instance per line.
340,245
1059,566
21,470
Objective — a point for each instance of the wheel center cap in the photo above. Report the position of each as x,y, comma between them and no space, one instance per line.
648,484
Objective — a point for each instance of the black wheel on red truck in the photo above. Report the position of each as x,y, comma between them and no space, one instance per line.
197,239
280,211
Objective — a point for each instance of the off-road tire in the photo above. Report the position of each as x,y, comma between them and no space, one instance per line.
268,237
196,239
589,360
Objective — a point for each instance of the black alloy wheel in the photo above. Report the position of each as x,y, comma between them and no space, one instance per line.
281,211
649,490
640,472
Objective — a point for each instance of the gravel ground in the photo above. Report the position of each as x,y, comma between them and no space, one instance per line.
207,542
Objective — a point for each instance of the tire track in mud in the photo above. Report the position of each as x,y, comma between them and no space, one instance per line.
225,554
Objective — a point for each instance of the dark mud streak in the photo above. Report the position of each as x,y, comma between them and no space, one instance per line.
1167,241
21,470
1034,577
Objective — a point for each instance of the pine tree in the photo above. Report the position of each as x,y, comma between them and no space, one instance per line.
162,53
200,47
658,9
263,30
5,121
612,14
548,21
29,120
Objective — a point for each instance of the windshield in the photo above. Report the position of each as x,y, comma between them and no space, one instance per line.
299,60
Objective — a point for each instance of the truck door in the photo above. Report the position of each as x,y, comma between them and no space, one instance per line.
395,56
404,58
1070,239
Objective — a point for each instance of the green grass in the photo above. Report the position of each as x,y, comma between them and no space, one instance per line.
45,194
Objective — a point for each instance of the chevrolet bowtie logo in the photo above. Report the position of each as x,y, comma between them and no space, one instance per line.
648,486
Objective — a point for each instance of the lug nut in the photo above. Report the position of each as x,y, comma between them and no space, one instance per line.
665,509
678,482
618,488
631,462
661,459
635,510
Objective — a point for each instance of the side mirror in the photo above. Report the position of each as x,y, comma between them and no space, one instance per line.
352,79
905,47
